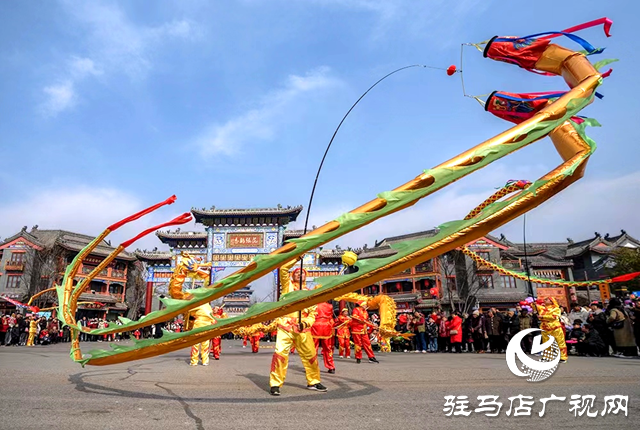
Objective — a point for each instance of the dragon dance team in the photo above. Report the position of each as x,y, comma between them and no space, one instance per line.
307,331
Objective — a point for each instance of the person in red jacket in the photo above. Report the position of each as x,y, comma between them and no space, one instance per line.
454,325
216,342
4,329
255,342
359,324
342,332
322,333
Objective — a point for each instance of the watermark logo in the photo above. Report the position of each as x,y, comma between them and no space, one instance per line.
535,369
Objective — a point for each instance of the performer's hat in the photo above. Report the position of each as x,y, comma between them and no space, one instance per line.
349,258
345,310
297,269
362,302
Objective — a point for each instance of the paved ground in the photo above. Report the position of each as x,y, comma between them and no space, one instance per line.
42,388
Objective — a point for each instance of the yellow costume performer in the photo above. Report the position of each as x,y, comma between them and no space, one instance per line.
549,314
188,266
33,329
289,334
203,315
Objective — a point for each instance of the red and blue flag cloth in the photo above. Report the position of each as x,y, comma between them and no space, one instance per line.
526,51
517,108
20,304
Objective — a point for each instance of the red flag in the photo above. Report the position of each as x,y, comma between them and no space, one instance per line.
627,277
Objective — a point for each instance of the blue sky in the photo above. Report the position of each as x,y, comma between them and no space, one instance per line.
108,107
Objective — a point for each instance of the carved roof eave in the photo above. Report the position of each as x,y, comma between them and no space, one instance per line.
155,256
409,236
379,252
290,211
32,240
337,253
187,235
100,251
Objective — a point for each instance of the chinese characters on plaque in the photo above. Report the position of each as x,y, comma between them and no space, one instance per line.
245,240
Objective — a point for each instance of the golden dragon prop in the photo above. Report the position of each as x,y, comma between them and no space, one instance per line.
553,120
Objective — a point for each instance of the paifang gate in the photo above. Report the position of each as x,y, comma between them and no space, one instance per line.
231,239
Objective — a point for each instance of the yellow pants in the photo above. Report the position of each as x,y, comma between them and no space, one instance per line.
307,351
558,334
31,338
204,353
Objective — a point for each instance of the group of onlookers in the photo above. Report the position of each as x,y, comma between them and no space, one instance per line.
594,331
17,329
597,330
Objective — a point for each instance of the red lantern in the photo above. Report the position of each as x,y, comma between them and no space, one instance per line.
398,286
451,70
433,292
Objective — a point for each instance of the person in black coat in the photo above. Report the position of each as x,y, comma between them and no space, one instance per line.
511,325
592,344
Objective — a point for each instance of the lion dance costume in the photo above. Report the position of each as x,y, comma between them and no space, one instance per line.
203,315
289,334
322,333
550,324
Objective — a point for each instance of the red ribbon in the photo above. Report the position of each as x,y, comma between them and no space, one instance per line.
604,21
625,278
142,213
182,219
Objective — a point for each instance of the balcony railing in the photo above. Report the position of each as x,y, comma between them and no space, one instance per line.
86,270
511,264
426,267
118,274
118,297
12,265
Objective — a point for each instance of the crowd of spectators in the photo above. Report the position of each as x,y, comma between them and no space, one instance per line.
612,329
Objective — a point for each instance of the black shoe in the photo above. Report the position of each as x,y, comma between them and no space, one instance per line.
317,387
275,391
217,358
331,371
357,360
373,360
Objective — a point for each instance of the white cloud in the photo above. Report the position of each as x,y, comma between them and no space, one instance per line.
114,44
59,97
262,122
603,205
81,67
118,43
182,28
87,211
590,205
432,19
